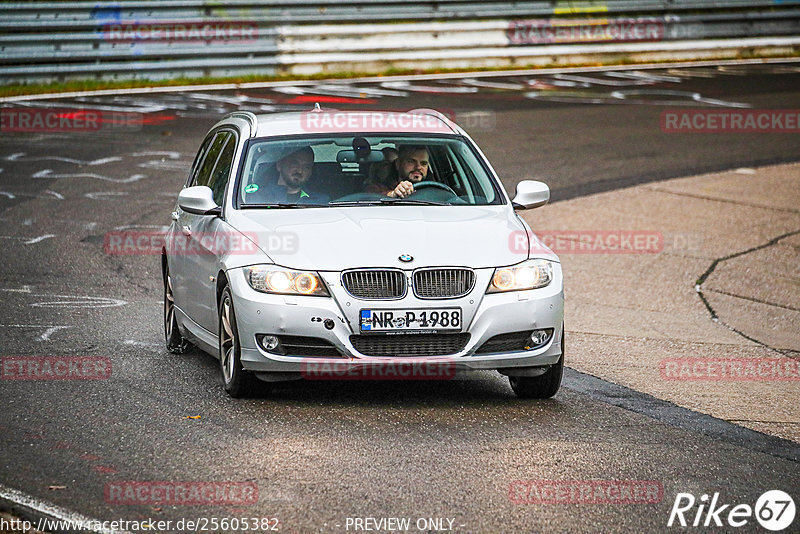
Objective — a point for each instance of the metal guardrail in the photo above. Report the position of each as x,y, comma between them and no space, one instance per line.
70,14
46,41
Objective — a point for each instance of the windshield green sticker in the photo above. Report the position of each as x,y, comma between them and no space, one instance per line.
252,188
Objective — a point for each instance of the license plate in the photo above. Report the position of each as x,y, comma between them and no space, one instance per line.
428,319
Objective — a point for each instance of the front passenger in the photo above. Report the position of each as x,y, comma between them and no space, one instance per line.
294,171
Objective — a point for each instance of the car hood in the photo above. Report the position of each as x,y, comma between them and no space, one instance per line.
334,239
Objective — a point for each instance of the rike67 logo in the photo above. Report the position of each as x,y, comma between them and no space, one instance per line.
774,510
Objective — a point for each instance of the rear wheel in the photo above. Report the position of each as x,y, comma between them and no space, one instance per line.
543,386
176,343
237,382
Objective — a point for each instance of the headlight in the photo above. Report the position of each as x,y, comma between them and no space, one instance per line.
532,274
272,279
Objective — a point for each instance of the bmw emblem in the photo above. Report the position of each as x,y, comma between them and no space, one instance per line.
405,258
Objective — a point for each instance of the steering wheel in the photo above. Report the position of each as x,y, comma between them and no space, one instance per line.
430,183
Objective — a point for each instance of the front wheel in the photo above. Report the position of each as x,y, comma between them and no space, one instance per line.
237,382
543,386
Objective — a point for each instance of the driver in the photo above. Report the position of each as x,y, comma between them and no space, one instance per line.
410,167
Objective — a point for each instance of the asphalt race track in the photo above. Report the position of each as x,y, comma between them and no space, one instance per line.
318,453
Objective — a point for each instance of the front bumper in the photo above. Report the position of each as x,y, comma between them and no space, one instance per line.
485,316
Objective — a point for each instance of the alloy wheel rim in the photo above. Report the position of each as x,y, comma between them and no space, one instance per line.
169,309
227,341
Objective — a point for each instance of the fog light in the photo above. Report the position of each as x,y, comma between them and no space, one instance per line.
270,343
539,338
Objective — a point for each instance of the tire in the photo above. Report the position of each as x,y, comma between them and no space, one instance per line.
175,342
543,386
237,382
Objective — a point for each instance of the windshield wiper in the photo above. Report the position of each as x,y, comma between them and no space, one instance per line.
386,201
282,205
414,201
355,202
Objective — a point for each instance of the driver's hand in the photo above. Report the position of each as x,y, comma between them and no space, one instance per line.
403,189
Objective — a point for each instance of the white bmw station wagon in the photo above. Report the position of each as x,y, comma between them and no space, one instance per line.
356,238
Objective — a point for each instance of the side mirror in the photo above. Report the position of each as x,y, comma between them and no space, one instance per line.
530,194
198,200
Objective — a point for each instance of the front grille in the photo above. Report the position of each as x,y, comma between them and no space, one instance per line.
306,346
513,341
443,283
375,284
410,345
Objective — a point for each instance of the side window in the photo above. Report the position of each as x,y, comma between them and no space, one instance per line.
198,159
219,176
203,176
477,184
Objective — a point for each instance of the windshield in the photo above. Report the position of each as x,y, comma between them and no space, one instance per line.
374,170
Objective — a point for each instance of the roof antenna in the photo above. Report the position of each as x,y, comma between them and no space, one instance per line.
316,107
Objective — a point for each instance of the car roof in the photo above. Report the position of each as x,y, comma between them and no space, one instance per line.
329,121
